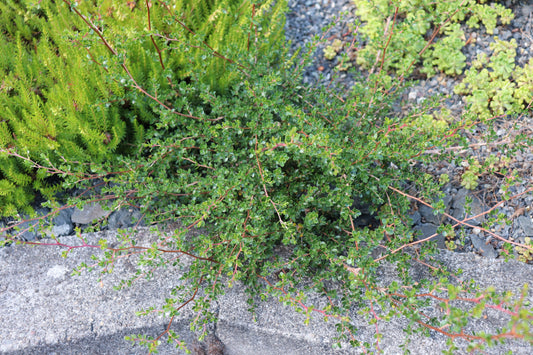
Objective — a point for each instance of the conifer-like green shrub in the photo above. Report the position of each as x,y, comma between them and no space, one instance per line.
60,102
54,105
186,33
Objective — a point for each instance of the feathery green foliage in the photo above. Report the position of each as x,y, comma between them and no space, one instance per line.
192,38
54,105
60,101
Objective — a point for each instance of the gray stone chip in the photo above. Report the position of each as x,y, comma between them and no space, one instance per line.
483,248
426,230
526,224
89,213
459,208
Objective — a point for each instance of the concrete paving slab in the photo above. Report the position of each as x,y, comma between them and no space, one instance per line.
44,310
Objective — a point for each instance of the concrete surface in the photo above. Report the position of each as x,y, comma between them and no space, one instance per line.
44,310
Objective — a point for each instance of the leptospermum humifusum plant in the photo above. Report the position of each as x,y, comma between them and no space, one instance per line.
274,165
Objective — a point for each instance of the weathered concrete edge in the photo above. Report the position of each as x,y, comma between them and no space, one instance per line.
46,309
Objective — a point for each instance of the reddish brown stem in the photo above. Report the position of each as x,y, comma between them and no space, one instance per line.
152,37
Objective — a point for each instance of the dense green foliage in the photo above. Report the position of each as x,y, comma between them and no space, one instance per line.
191,38
496,86
276,166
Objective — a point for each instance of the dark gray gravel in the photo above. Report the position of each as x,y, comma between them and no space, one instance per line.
307,20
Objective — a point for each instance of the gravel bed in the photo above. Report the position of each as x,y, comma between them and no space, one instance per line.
307,20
